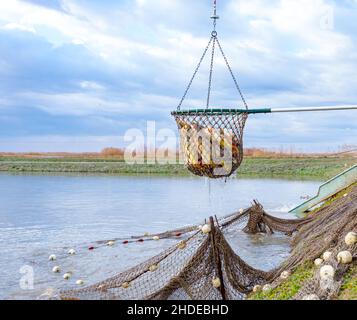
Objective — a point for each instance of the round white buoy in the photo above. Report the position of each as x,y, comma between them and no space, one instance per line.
110,243
241,210
67,275
285,275
182,245
327,255
52,257
206,229
267,287
56,269
153,267
311,297
71,252
351,238
80,282
156,238
216,282
318,262
327,272
257,288
344,257
47,294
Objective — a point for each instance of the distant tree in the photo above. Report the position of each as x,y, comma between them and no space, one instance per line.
112,152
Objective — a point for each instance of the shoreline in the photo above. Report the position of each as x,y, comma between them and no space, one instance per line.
302,168
305,271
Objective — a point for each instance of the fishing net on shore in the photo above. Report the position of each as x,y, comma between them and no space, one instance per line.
325,232
328,288
211,143
202,267
261,222
252,220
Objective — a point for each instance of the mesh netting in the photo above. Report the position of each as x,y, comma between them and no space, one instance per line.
325,231
187,270
203,266
211,143
261,222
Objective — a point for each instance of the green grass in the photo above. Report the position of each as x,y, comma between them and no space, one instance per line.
302,168
311,168
290,287
302,273
349,285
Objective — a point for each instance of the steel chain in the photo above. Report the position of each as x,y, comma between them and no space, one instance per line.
194,74
231,72
211,70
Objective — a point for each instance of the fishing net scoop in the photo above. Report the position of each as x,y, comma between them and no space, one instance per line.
211,139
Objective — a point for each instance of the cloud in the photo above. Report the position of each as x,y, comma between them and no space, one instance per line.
91,85
104,66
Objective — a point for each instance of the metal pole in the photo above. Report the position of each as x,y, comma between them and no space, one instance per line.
312,109
266,110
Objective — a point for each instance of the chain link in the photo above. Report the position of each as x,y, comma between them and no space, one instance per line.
194,74
213,39
231,72
211,70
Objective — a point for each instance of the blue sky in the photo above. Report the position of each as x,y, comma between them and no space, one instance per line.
76,74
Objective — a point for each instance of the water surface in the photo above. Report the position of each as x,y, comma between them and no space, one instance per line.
41,215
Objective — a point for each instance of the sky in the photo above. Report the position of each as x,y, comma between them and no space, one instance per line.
75,75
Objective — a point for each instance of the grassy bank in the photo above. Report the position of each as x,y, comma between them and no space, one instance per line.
284,167
289,288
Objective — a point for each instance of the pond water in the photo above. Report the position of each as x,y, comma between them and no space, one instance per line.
47,214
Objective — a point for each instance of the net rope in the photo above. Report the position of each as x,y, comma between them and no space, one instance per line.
187,269
204,266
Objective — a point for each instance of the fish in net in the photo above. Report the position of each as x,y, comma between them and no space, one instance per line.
211,143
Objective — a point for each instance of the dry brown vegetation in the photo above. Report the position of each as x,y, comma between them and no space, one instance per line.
118,153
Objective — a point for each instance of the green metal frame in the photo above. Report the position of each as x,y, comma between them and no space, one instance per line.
327,190
221,111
